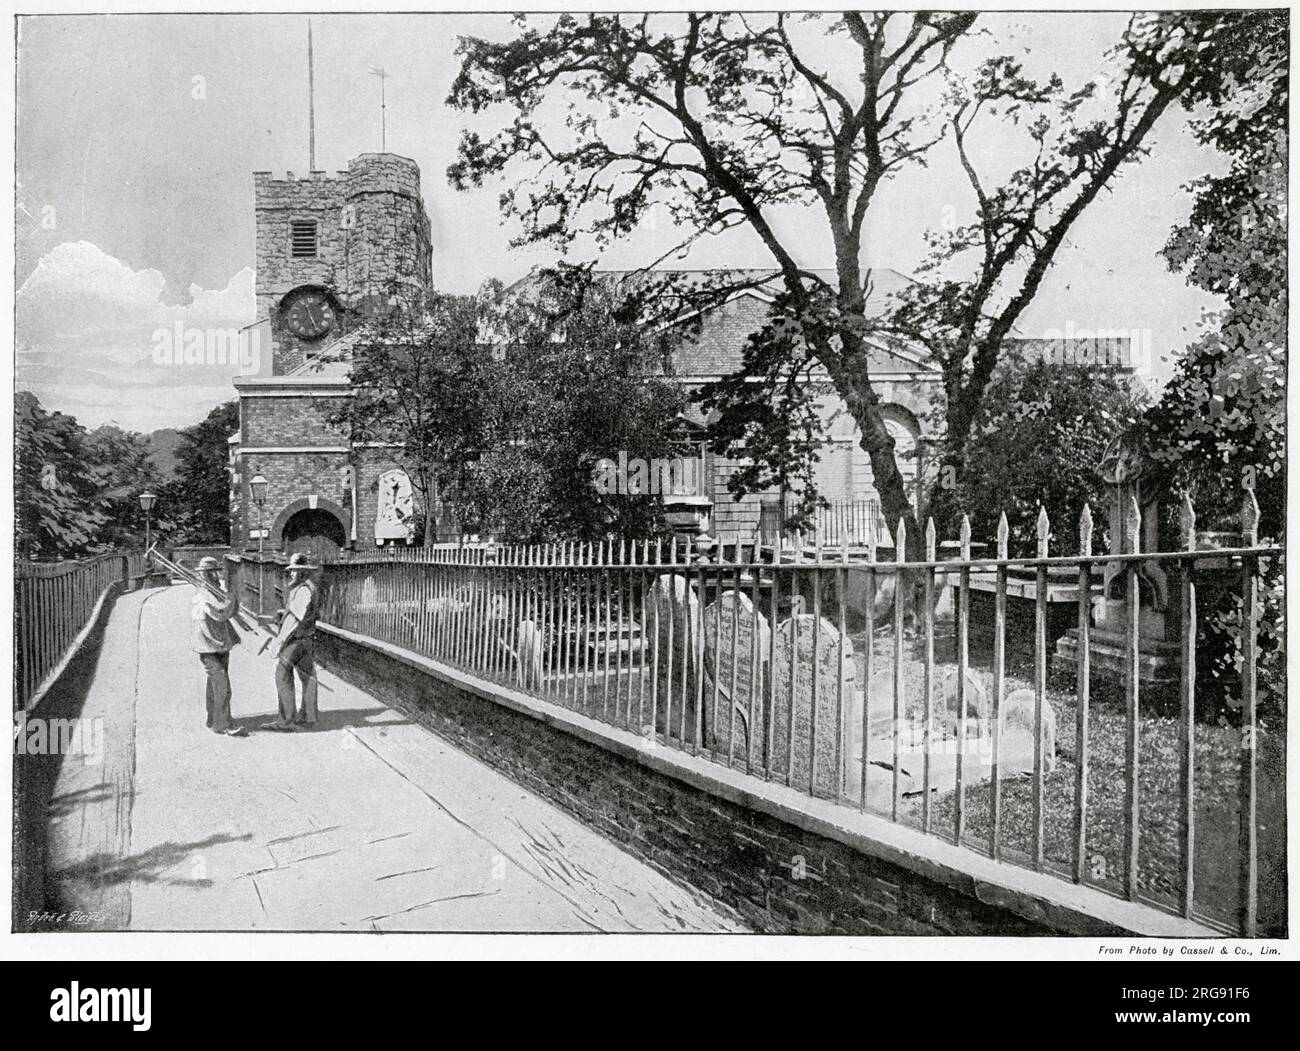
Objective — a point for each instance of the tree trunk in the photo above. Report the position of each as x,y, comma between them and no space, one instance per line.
430,524
878,444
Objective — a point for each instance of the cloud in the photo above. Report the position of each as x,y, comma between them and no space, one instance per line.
87,326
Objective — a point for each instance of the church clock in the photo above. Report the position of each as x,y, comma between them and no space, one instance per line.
308,314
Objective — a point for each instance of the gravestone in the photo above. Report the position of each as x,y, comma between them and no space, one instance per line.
978,708
369,594
731,618
528,655
673,622
794,646
1016,730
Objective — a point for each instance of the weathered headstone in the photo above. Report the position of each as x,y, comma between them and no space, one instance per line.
369,594
978,710
797,638
732,627
673,622
528,655
1016,729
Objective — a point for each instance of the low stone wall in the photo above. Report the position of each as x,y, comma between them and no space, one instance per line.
784,862
34,776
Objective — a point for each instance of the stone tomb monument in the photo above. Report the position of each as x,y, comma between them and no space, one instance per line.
1133,517
1016,730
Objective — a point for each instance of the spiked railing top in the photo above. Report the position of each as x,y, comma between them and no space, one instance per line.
1085,530
1004,534
1044,531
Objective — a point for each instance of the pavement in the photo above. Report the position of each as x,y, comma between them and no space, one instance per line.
368,822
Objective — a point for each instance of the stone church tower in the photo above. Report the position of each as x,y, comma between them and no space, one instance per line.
331,251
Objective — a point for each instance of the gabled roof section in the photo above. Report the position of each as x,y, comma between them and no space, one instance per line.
714,345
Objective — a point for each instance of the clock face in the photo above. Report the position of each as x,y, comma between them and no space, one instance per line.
309,315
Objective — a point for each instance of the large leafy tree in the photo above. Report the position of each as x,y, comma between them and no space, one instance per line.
580,379
57,488
124,468
1220,424
196,502
1036,442
722,118
500,405
417,393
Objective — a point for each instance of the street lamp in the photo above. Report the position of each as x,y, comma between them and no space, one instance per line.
147,500
258,486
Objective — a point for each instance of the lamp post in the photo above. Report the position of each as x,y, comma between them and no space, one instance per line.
258,486
147,500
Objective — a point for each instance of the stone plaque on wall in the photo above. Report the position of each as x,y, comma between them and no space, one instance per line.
395,512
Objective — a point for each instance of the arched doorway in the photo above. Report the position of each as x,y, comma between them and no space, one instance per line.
316,533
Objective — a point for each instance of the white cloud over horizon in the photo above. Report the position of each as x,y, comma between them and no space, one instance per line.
86,325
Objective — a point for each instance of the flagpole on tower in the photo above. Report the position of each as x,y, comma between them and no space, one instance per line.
375,71
311,105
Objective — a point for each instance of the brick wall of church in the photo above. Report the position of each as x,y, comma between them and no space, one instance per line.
292,476
289,421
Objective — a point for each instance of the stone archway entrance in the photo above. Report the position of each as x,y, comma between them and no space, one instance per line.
316,533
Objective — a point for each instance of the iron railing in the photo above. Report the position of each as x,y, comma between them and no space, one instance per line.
53,601
856,522
814,669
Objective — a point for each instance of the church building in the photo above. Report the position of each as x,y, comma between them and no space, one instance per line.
335,250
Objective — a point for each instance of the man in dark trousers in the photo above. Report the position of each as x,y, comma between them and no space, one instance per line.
295,648
212,637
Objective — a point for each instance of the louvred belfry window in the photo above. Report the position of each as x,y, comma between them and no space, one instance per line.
302,238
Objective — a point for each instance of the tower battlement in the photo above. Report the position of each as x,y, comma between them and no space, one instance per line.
362,235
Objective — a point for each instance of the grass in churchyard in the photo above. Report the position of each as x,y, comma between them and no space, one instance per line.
1217,773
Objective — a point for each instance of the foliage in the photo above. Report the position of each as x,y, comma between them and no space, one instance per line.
197,499
123,469
55,484
1220,424
1036,442
500,405
732,115
76,491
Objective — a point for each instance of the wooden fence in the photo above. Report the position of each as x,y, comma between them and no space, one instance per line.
813,668
53,601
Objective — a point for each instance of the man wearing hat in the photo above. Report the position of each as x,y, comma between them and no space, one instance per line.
212,637
295,648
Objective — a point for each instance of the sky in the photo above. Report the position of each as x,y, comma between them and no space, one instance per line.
138,134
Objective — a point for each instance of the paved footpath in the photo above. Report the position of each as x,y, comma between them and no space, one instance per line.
367,823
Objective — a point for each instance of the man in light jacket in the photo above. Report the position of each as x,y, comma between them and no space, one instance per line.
212,637
295,649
